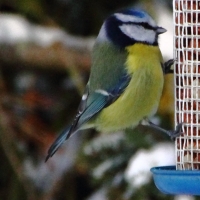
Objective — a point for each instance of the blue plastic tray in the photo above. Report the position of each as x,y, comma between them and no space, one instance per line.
171,181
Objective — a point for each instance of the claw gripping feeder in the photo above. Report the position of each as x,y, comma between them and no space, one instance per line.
184,178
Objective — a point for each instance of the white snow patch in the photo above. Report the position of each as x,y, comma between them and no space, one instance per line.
13,28
112,141
100,170
16,29
138,170
45,175
183,197
99,195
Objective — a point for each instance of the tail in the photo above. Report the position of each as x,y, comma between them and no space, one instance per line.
64,135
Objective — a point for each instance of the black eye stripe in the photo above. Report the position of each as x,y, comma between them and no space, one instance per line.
144,24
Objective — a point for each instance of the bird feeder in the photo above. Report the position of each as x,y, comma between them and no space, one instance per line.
184,178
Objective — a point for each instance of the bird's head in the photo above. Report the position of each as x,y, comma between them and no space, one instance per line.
128,27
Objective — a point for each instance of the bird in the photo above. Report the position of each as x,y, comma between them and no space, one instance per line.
126,78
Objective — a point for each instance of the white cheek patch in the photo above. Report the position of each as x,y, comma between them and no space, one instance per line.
130,18
139,33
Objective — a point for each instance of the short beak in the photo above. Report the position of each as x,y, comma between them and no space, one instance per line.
160,30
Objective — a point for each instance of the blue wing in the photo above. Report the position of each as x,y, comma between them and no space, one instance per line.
96,101
90,105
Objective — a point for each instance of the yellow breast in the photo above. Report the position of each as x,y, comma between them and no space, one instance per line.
142,95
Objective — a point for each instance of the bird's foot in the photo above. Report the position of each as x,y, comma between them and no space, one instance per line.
167,66
171,133
175,133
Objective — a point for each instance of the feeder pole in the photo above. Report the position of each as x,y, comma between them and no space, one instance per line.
184,178
187,82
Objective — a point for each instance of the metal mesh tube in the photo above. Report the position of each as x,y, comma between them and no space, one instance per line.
187,81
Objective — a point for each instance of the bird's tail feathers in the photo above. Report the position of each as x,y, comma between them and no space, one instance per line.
64,135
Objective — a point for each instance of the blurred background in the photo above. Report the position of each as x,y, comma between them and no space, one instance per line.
45,58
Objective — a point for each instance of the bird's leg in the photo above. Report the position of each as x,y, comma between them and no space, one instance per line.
167,67
172,133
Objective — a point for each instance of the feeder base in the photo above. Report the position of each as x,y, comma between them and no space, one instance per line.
176,182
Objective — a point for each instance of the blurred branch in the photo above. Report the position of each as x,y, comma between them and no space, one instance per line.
54,57
45,47
40,47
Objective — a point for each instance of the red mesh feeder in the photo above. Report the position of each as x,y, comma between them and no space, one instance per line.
184,178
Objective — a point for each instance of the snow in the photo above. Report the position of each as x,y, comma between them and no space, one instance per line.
99,195
104,141
16,29
138,172
184,197
99,171
45,175
13,28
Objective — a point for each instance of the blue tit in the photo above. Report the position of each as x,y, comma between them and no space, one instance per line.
126,78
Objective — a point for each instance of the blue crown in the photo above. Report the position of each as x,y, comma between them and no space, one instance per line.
137,13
